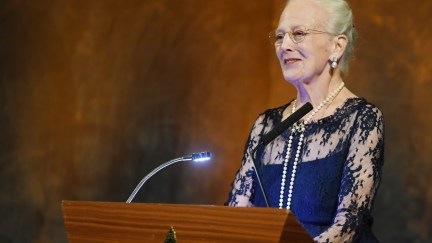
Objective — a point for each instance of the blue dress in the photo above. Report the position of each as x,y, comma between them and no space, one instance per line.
337,176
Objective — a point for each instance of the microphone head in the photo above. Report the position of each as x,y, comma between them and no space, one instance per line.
307,107
201,157
289,121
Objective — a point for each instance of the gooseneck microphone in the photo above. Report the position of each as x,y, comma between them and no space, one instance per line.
196,157
270,136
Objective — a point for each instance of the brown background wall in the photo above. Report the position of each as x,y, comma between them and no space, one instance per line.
95,94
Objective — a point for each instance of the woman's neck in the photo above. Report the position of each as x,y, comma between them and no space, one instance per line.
317,90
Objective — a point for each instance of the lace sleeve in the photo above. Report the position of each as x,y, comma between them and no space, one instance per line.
242,189
360,179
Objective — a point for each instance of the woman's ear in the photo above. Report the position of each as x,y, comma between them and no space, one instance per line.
340,44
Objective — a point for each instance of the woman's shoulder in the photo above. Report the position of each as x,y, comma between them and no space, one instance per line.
269,118
361,106
366,109
367,116
272,114
275,112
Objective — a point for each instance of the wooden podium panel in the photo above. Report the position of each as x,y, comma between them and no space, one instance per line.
139,222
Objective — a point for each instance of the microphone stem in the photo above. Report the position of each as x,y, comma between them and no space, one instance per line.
149,175
259,176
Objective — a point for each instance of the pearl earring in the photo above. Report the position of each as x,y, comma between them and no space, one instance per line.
334,63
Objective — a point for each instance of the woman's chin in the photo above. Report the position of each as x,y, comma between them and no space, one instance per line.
292,78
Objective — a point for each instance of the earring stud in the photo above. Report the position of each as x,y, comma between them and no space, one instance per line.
334,63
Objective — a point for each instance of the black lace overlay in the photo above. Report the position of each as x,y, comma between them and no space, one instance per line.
337,176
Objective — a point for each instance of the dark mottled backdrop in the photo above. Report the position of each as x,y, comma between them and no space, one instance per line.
95,94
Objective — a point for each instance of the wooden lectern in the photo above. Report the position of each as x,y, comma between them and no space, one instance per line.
140,222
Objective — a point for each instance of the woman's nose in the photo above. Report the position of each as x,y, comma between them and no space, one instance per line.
287,43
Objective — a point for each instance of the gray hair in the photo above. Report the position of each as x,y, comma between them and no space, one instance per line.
341,22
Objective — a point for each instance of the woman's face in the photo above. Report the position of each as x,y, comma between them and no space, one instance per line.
307,60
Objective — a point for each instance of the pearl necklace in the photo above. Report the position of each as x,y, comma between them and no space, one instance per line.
300,128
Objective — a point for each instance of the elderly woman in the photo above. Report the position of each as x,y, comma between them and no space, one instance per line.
326,168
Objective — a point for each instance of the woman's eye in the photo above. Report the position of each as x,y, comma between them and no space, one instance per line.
299,33
280,36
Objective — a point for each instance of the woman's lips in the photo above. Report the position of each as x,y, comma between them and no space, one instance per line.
291,60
